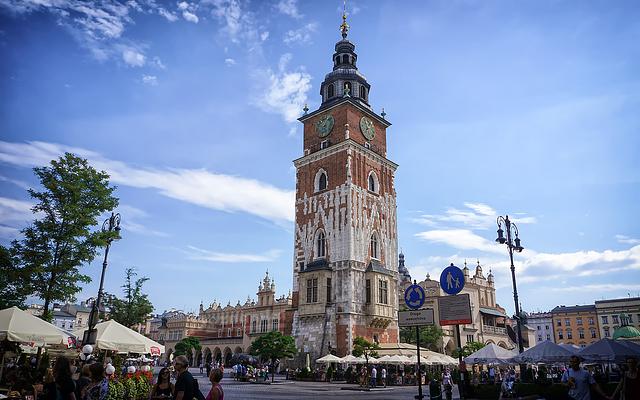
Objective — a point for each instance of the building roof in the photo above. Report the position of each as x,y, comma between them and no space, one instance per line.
623,300
62,314
491,311
572,309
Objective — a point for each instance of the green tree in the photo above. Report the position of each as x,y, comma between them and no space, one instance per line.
60,239
13,284
363,347
273,346
429,335
135,306
467,349
186,345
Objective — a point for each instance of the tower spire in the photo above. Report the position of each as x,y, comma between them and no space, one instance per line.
344,28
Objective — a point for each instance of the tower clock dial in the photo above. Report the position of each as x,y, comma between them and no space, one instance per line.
324,125
367,128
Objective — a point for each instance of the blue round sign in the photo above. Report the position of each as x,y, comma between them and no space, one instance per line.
452,280
414,297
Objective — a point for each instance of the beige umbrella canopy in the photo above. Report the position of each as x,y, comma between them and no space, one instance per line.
20,326
117,337
329,358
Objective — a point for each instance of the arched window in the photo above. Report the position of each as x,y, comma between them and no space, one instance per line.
374,246
330,91
372,182
345,59
320,245
321,180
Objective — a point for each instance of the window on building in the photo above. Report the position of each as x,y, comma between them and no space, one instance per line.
606,331
581,333
239,332
322,181
373,182
330,91
546,327
539,338
560,334
591,321
70,325
374,246
605,319
79,321
63,325
228,332
614,318
539,328
345,59
263,325
469,338
569,334
383,291
321,245
593,333
274,324
579,320
630,318
253,326
329,298
567,322
559,322
548,337
367,291
363,93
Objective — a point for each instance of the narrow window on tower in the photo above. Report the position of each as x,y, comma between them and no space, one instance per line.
330,91
363,93
374,246
367,292
345,59
383,291
321,245
321,181
309,289
329,300
373,182
314,291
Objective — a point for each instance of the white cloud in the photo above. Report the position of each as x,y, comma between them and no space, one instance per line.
18,183
14,215
206,255
463,239
283,92
133,58
289,7
230,61
476,216
605,287
171,17
189,16
264,35
627,240
183,5
150,80
195,186
300,36
130,216
157,62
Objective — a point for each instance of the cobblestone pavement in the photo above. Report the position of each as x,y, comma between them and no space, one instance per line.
292,390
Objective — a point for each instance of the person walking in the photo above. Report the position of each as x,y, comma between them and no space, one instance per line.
163,386
208,368
383,376
185,383
202,367
216,392
374,376
580,381
629,385
99,386
447,382
65,387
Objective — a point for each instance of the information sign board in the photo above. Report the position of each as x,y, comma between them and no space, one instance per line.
454,310
416,317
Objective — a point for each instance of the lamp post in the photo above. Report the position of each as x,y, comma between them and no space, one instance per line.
109,226
513,244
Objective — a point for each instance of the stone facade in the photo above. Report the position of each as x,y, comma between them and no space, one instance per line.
575,325
345,249
542,324
609,312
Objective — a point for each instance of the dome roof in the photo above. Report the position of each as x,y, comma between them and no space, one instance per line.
626,332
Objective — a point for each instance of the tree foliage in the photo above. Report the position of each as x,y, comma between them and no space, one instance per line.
468,349
60,238
430,335
134,307
363,347
13,283
273,346
186,345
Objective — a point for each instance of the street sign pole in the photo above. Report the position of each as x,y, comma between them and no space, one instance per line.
419,396
461,383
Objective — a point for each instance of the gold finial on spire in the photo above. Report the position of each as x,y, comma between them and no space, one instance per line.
344,28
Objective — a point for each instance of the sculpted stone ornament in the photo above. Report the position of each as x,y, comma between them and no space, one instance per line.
367,128
324,125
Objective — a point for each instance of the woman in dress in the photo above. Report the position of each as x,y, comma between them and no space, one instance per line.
163,386
216,392
65,388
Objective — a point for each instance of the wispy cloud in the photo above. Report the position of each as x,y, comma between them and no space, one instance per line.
207,255
195,186
289,7
463,239
301,35
475,216
150,80
133,58
627,240
283,92
230,62
605,287
130,217
14,215
18,183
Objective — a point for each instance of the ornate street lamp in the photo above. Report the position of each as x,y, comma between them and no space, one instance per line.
513,244
110,226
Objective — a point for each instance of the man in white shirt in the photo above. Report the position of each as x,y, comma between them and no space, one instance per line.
383,376
580,381
374,376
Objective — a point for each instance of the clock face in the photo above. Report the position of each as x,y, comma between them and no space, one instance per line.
324,125
367,128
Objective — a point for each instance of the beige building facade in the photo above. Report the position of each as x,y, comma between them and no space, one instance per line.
575,325
609,311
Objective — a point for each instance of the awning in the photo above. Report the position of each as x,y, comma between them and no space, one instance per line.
490,311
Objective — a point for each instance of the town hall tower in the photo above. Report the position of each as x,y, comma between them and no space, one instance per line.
345,276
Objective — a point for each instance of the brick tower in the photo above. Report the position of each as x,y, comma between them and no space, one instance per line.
345,276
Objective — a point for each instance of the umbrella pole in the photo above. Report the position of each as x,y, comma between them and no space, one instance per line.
2,365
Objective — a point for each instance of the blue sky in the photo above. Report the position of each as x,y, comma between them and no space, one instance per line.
523,108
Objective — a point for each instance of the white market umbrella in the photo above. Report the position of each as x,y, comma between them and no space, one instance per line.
20,326
399,360
349,359
544,352
383,359
491,354
329,358
117,337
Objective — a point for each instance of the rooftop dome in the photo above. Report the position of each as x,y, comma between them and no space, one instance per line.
626,332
